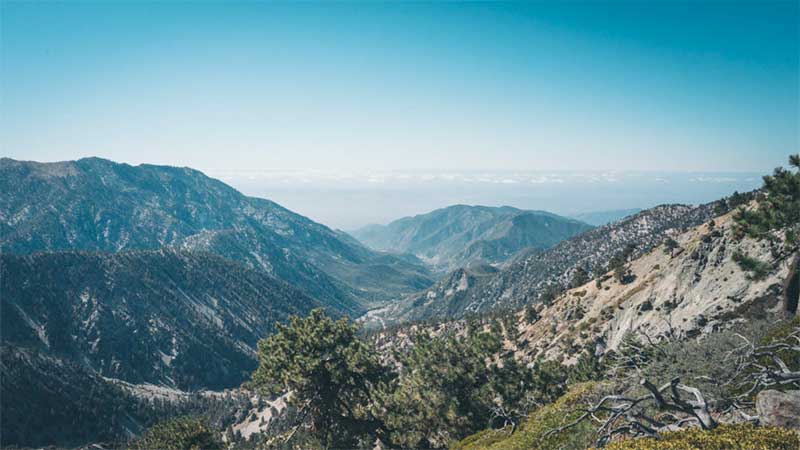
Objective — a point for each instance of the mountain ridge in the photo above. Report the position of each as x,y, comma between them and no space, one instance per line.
531,274
460,235
97,204
145,316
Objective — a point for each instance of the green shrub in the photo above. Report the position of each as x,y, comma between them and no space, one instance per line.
533,435
725,437
758,269
183,433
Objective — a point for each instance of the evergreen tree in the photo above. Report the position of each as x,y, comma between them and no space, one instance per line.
441,394
531,315
579,277
183,433
670,244
331,373
450,386
779,209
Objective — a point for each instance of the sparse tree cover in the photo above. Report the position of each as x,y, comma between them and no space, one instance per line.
531,315
735,200
655,386
551,292
443,389
778,211
449,386
758,269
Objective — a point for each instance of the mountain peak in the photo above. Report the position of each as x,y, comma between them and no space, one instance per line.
460,235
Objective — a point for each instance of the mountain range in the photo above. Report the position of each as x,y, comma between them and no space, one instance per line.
531,273
461,235
96,204
169,317
120,284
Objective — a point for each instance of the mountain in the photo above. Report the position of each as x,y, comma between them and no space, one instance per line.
598,218
693,289
181,319
532,273
96,204
696,288
460,235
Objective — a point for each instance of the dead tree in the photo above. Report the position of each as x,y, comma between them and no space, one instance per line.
675,405
618,414
764,366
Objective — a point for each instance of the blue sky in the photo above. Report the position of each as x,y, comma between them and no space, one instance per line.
701,86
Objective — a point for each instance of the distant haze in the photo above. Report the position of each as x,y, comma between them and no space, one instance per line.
351,200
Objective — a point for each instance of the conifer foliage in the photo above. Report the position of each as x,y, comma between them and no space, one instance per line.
331,374
780,206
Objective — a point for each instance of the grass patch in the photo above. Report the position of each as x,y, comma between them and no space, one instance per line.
725,437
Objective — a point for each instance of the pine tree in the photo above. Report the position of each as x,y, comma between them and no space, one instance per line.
579,277
331,373
779,209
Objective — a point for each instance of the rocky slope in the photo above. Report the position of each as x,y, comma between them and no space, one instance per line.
693,289
682,293
95,204
530,274
181,319
460,235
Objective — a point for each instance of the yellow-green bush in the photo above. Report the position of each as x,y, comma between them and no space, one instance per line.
725,437
531,436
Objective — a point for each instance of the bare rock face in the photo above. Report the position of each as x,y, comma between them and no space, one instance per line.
779,409
685,295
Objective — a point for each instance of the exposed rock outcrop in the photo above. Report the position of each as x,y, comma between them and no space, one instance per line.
779,409
681,294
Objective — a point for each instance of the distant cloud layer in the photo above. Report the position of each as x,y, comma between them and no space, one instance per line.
321,177
350,199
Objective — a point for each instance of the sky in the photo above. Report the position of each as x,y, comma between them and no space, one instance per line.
373,87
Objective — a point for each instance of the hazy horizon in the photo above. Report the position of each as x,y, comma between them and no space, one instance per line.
351,200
